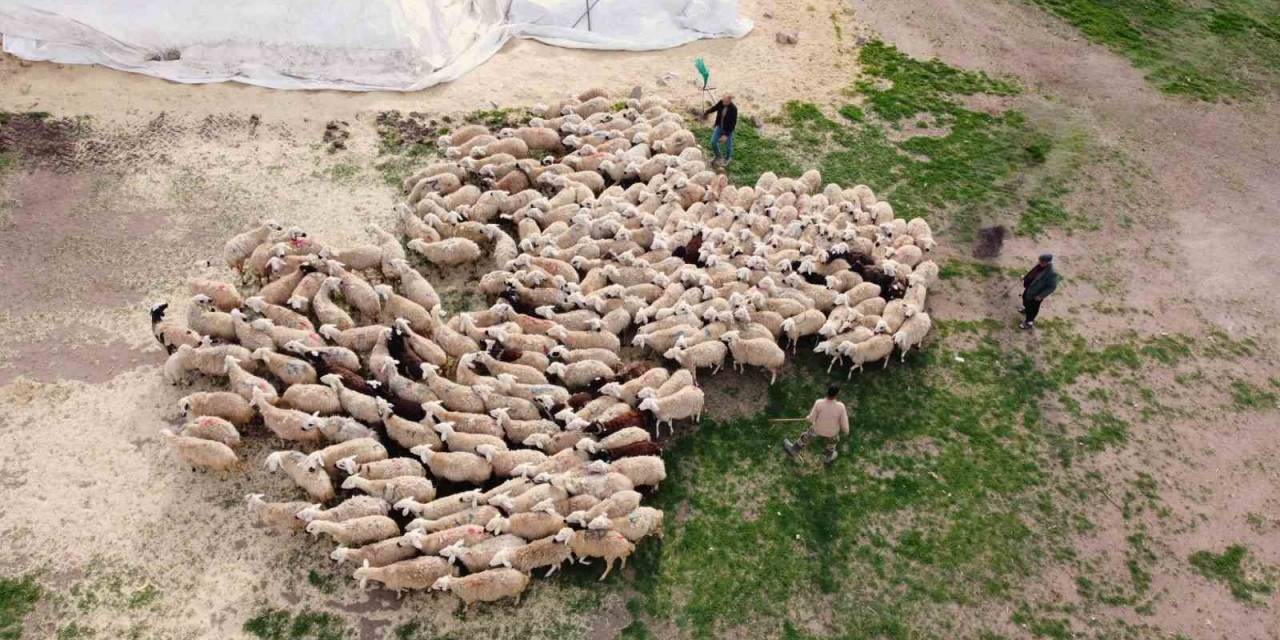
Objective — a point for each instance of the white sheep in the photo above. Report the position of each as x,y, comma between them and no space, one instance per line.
281,516
602,543
304,472
395,489
641,470
683,404
212,428
486,586
450,252
477,557
413,574
455,466
757,352
550,551
353,507
913,331
356,531
203,454
378,554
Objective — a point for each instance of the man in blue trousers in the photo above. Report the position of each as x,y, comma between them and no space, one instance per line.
726,121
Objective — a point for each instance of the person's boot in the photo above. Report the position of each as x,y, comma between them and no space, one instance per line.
790,447
1027,325
830,456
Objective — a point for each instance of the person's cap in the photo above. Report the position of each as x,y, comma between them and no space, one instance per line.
1046,257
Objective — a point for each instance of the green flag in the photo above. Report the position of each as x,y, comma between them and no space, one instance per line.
702,71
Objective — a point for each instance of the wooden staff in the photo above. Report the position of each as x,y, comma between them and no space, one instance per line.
787,419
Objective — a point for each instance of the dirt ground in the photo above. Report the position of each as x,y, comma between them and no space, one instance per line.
98,229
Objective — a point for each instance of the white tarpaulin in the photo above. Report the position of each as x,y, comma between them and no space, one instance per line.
354,45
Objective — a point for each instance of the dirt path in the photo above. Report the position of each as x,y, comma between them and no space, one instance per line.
1213,163
1208,263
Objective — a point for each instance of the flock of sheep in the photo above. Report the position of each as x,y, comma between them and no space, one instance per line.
462,453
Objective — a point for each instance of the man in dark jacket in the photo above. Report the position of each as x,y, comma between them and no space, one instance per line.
726,121
1039,282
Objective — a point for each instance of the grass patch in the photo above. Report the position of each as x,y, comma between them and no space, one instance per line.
1203,50
1249,396
954,497
984,169
325,583
1228,568
279,624
18,596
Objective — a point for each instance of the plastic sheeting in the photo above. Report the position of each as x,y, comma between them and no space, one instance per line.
354,45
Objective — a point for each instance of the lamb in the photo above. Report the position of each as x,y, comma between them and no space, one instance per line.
463,421
634,526
550,551
457,466
586,339
378,554
602,543
349,509
615,506
311,398
641,470
281,516
382,469
699,356
686,403
432,543
758,352
246,384
616,440
504,461
394,490
440,507
361,407
540,522
337,428
875,348
309,476
356,531
913,331
282,316
486,586
288,370
807,323
238,248
477,557
168,332
212,428
221,404
520,430
417,573
609,358
579,375
362,450
455,396
475,515
456,441
202,454
450,252
286,424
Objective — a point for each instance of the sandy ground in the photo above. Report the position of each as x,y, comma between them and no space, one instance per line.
117,221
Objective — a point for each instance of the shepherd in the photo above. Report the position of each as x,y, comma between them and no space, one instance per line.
828,419
1039,282
726,121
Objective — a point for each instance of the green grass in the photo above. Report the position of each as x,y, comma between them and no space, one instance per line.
1205,50
1249,396
982,169
280,624
953,497
1228,568
18,596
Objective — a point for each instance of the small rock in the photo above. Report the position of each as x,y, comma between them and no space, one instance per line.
636,92
768,13
787,37
860,40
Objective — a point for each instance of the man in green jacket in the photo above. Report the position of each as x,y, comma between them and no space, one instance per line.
1039,282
